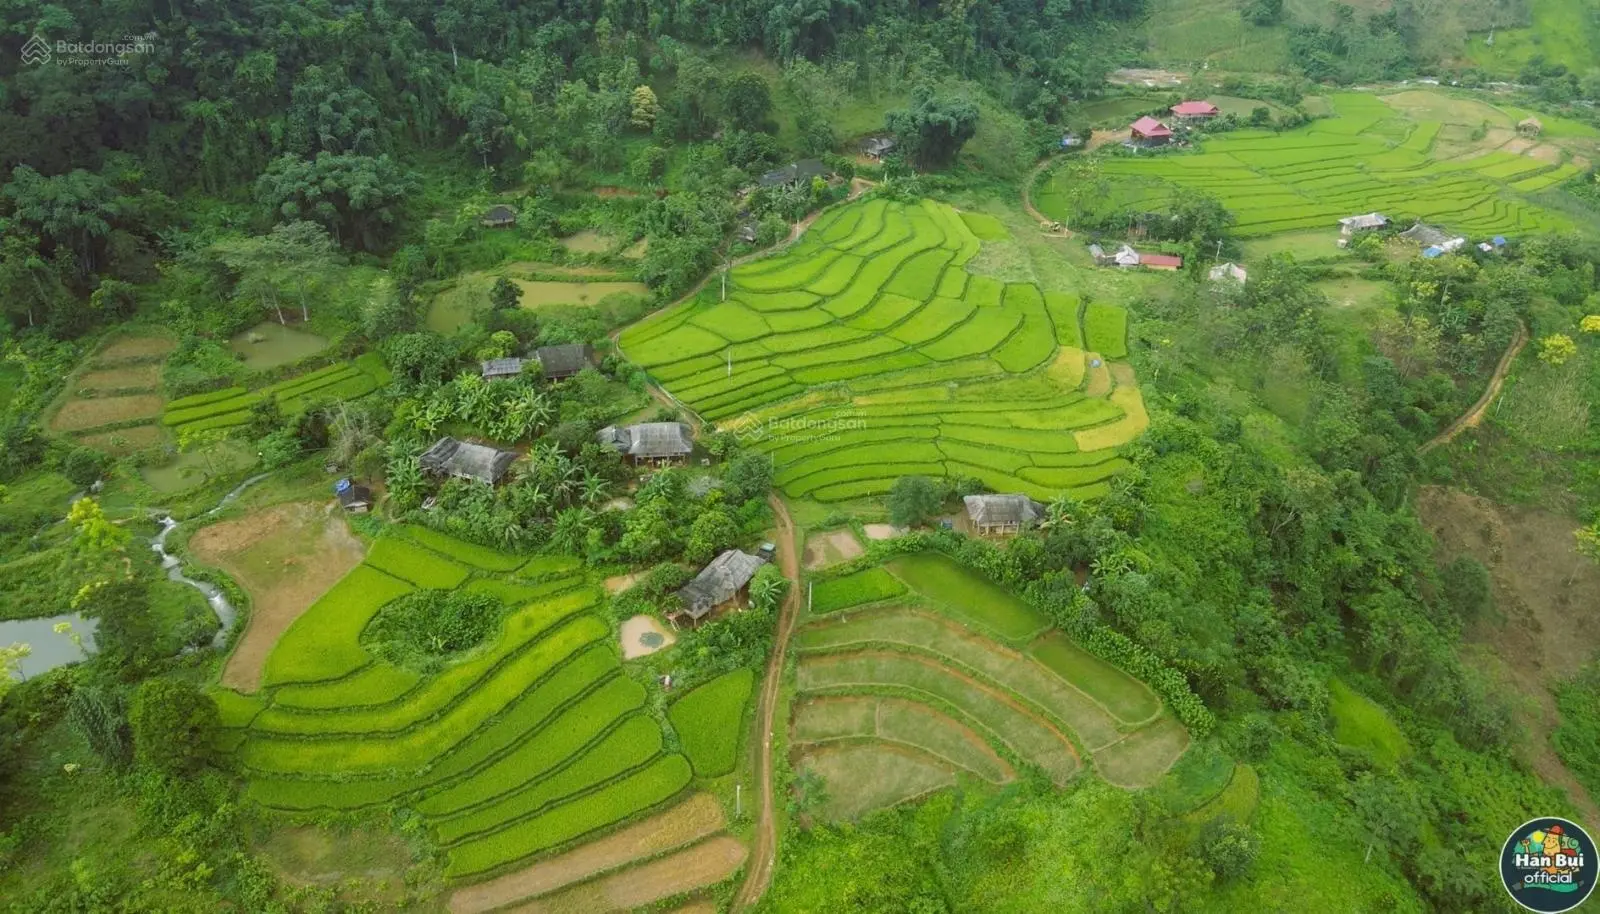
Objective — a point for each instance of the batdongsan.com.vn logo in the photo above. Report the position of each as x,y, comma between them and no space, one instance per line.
1549,865
35,51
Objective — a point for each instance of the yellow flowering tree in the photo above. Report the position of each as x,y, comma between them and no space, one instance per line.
1556,349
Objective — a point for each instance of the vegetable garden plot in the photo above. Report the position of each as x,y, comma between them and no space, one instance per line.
875,300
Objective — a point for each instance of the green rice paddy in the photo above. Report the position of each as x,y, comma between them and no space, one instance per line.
868,351
524,745
1366,158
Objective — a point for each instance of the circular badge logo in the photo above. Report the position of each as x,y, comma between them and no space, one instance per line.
1549,865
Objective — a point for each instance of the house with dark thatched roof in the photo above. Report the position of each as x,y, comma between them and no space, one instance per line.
497,369
991,514
465,460
724,582
655,443
564,361
500,216
800,172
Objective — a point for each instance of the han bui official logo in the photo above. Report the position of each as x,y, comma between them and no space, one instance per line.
1549,865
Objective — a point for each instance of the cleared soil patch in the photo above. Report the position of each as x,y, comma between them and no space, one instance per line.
863,778
826,549
123,441
270,344
1141,758
644,635
619,583
79,414
696,818
136,347
285,557
882,531
1542,593
147,376
704,864
587,241
538,293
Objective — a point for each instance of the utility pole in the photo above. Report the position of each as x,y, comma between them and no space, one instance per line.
738,801
730,361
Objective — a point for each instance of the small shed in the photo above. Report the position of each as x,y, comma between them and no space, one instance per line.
1194,111
1161,261
1227,271
353,496
465,460
1426,235
876,147
724,582
1068,141
1002,514
1498,241
652,443
1530,127
1149,131
747,232
1365,222
1101,258
560,362
500,216
1126,256
1432,251
498,369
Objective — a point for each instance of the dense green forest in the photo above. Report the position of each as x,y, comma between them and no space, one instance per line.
249,249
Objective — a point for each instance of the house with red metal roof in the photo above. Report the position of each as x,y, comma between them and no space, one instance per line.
1160,261
1194,111
1149,131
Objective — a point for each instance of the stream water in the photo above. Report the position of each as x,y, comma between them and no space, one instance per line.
51,649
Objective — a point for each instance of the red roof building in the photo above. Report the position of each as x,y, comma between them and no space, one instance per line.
1160,261
1149,129
1194,110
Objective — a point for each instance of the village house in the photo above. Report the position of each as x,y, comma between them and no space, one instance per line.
500,216
724,582
876,147
1230,270
465,460
800,172
562,362
1426,235
1126,256
1002,514
1365,222
1160,261
650,443
499,369
353,496
1147,131
1192,112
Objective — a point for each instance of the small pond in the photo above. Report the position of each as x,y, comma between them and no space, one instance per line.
270,344
642,636
50,649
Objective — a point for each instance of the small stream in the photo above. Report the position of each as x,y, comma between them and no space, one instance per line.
51,649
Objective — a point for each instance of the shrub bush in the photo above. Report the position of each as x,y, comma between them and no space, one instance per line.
425,628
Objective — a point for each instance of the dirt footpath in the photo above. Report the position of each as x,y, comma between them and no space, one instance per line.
284,557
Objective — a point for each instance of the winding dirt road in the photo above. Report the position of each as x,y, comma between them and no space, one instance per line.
765,852
1473,416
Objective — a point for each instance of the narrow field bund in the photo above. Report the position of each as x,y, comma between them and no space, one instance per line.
876,300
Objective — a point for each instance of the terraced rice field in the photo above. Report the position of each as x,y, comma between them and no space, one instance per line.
112,402
1365,158
230,407
524,747
921,698
868,351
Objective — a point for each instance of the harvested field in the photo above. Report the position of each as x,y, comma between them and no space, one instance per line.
698,817
831,548
285,557
538,293
78,414
135,347
907,723
882,531
146,376
123,441
1142,757
704,864
862,778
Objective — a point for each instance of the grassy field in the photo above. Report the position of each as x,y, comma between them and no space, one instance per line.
270,344
872,349
522,746
1411,155
1360,723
